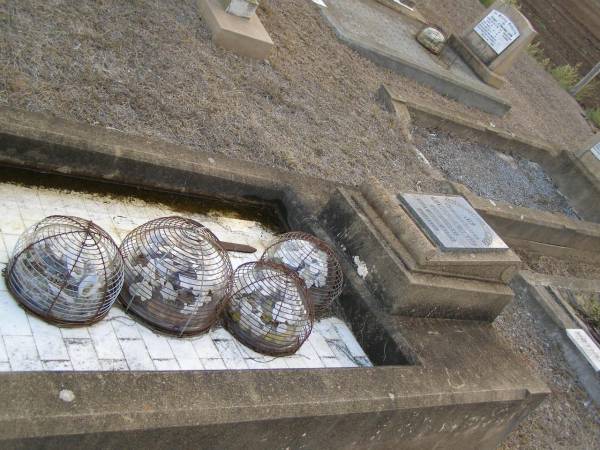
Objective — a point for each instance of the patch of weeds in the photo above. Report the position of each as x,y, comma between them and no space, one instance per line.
537,52
592,311
566,75
594,116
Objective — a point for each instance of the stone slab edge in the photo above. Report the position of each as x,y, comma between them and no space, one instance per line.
469,95
556,319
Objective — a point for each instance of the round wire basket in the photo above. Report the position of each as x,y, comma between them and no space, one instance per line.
177,275
314,261
67,270
269,310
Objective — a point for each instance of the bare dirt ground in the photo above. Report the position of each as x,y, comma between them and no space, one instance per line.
147,67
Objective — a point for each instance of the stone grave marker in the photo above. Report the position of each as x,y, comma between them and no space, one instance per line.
452,223
494,41
586,346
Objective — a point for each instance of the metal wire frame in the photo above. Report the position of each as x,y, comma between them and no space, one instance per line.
269,309
66,270
314,261
177,275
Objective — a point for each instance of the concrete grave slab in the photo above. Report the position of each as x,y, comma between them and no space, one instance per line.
388,39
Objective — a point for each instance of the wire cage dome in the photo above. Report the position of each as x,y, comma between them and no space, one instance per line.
314,261
177,275
269,310
66,270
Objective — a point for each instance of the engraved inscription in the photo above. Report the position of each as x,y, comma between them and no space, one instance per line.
497,31
451,222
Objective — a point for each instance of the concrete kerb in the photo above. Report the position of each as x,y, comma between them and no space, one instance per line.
573,179
557,317
445,382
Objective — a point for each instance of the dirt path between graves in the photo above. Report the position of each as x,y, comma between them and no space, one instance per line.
149,68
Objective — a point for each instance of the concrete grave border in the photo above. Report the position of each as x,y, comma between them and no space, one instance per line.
450,381
573,178
557,316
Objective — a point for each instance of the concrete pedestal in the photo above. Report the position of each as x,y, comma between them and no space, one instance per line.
246,37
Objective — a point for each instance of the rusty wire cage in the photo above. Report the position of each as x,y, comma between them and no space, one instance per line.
66,270
177,275
269,309
314,261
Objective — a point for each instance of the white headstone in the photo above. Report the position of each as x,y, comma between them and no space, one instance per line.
497,30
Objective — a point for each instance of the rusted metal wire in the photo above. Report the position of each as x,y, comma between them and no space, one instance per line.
269,309
314,261
67,270
177,275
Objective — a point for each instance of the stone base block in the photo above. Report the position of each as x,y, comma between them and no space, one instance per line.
401,290
245,37
482,71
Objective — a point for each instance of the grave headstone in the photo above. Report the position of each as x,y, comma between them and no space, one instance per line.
241,8
494,41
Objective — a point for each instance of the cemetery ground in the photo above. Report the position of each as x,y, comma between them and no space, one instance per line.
149,68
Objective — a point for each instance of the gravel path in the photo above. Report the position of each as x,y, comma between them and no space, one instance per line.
491,173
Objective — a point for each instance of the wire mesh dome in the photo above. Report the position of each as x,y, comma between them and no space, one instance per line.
269,310
314,261
67,270
177,275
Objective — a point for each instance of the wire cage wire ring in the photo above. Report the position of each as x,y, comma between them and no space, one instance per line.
177,275
269,310
67,270
314,261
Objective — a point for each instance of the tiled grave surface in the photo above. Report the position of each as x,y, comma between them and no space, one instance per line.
118,342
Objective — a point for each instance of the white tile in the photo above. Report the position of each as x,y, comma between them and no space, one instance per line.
308,352
58,366
230,353
4,367
349,339
125,327
320,345
105,341
13,318
3,287
274,363
205,347
136,354
332,362
3,354
297,362
75,333
326,329
185,354
342,353
157,345
214,364
166,364
49,340
113,365
82,353
11,224
10,241
22,353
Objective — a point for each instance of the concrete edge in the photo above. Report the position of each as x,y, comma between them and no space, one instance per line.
463,125
455,89
556,320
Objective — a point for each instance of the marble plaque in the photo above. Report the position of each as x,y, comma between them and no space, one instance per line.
497,30
451,223
586,346
596,150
